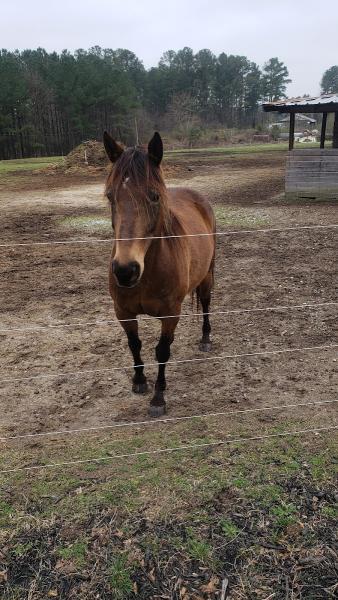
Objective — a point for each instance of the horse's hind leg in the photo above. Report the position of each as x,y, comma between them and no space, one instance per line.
157,405
204,295
139,380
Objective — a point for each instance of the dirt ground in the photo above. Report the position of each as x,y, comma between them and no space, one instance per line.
254,519
67,284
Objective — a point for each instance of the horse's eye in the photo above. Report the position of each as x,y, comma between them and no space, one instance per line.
154,196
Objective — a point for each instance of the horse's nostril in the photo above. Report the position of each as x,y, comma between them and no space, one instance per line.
126,275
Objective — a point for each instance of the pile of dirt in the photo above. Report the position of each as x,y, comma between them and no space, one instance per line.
87,154
88,158
91,156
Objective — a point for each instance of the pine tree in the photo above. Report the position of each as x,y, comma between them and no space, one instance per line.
329,83
275,79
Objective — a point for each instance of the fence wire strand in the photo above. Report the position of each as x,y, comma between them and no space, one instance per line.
188,447
162,421
149,317
169,363
163,237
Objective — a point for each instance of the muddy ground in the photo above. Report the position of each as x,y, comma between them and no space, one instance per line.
67,284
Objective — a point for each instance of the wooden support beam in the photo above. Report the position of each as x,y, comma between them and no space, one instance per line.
323,130
292,131
335,131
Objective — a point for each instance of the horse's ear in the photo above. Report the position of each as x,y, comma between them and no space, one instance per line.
155,148
113,149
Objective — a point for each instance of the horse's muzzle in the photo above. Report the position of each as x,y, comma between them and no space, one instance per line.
126,275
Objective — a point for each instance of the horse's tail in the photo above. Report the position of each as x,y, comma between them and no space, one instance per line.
196,300
195,294
212,264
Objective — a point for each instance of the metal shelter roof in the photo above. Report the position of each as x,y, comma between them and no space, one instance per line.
322,103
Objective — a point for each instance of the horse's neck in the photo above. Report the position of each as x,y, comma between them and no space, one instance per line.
167,219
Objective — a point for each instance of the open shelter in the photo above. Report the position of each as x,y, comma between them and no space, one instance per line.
311,172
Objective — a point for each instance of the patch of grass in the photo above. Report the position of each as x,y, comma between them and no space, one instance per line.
284,515
267,495
229,529
76,552
197,548
6,511
21,549
120,577
241,482
241,149
46,488
318,466
90,223
5,508
28,164
229,216
330,511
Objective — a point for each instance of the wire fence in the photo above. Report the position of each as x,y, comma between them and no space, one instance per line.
222,357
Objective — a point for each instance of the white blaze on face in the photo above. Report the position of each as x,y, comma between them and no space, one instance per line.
133,251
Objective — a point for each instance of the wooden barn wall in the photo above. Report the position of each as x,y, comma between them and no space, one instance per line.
312,173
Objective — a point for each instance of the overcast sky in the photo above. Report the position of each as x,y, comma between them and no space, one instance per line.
303,34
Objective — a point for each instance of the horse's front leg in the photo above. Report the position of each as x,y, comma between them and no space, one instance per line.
157,405
139,380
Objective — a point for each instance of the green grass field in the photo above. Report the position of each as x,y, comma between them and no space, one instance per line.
28,164
242,148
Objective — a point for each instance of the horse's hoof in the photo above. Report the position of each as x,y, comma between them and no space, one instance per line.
157,410
140,388
205,346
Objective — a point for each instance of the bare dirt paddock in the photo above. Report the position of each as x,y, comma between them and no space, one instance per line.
67,284
61,369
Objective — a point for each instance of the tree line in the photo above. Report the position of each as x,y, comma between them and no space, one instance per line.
50,102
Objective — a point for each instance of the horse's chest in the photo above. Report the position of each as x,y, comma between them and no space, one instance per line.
156,301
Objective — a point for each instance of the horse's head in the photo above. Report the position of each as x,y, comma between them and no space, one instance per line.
137,196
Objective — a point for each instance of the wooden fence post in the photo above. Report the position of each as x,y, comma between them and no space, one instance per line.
292,131
335,131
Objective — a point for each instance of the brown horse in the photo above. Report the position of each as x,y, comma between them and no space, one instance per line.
149,272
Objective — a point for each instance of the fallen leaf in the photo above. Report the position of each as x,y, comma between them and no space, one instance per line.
119,533
65,566
294,529
211,587
52,594
151,576
3,576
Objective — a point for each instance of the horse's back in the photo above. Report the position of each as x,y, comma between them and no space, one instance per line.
193,216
